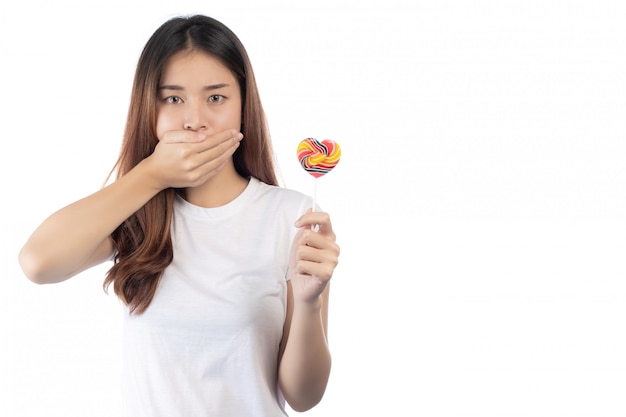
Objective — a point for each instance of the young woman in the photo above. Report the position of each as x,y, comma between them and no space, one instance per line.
224,281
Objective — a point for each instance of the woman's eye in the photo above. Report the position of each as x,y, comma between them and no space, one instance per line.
173,100
216,98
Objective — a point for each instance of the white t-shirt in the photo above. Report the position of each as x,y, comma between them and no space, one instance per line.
208,343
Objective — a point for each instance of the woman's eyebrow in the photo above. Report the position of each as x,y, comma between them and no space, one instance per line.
180,88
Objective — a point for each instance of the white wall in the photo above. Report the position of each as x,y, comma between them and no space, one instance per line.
480,201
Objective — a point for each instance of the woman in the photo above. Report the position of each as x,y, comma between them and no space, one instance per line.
227,297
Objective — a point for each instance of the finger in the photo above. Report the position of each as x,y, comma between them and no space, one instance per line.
203,140
209,166
220,141
319,240
324,256
316,218
212,157
323,271
183,136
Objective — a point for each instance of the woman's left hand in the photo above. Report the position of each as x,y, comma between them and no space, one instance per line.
314,256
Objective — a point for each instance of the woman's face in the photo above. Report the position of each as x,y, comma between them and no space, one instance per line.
197,92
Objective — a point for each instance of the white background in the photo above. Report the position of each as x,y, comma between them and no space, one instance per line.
480,202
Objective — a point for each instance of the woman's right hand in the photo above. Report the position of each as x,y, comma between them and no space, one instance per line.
186,158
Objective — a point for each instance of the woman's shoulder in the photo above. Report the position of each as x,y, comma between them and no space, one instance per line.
279,190
278,194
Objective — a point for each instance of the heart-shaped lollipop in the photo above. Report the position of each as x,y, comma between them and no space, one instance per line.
318,158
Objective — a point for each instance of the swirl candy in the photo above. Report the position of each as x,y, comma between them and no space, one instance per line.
318,158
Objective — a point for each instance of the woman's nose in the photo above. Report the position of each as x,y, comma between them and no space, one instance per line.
195,117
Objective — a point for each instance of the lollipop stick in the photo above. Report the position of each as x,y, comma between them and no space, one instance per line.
314,227
314,193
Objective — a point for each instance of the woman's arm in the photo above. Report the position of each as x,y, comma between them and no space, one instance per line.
305,359
77,236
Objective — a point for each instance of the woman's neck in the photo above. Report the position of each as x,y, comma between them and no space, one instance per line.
219,190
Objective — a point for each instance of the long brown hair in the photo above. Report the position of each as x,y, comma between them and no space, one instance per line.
143,243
